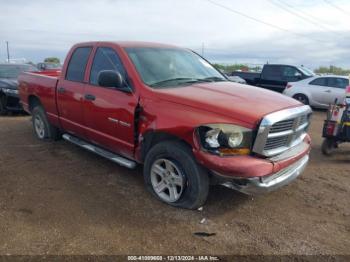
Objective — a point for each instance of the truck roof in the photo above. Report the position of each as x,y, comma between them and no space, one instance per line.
126,44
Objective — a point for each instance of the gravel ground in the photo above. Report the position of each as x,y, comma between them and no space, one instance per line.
56,198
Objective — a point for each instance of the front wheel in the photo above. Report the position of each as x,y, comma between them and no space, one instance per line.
328,146
172,175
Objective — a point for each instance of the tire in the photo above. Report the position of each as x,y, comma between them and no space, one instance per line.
3,110
41,126
190,179
302,98
328,146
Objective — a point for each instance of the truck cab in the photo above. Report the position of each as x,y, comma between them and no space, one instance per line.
276,76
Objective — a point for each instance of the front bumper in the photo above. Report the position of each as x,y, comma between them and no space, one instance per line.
255,175
259,185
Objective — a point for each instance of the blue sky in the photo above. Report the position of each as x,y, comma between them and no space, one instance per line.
37,29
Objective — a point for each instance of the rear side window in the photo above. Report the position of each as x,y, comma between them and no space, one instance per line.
272,72
77,64
338,82
105,59
322,81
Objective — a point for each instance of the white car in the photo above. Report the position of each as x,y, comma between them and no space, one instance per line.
318,91
237,79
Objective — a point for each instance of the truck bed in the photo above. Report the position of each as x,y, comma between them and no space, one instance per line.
43,85
249,77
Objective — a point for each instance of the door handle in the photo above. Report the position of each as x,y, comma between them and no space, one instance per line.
90,97
61,90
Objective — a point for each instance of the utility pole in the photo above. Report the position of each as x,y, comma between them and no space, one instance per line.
8,52
203,49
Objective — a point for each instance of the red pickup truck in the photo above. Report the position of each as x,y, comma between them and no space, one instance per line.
169,109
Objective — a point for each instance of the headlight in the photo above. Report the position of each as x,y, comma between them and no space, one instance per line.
10,91
225,139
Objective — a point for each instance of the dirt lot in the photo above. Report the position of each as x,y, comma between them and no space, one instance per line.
56,198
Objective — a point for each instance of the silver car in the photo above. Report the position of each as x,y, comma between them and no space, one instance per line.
318,91
237,79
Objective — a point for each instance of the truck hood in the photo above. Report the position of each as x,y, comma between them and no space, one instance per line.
8,83
241,102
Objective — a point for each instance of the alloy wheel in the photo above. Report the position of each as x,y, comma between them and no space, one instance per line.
167,180
39,127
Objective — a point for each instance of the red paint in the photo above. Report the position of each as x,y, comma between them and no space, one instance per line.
175,111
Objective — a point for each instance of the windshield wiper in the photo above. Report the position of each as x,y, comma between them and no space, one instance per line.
182,80
213,79
188,80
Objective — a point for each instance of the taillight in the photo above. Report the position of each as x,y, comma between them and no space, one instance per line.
347,91
330,128
288,86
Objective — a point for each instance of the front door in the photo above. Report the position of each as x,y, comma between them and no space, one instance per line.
108,112
337,88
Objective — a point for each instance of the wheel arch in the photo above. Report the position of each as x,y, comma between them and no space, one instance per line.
303,94
152,138
33,101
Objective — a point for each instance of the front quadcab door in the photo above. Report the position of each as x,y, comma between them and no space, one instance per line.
108,112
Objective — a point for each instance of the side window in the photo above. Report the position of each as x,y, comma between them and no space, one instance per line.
322,81
77,64
290,72
105,59
272,72
338,82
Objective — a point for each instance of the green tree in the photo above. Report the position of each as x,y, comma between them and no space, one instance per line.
334,70
54,60
234,67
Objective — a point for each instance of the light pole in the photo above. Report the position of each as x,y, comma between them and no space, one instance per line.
8,52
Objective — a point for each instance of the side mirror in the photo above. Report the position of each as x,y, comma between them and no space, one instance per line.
110,78
298,75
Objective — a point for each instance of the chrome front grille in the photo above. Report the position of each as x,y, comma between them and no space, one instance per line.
274,142
282,126
282,130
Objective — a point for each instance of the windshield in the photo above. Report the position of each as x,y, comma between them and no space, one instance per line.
306,71
52,66
12,71
163,67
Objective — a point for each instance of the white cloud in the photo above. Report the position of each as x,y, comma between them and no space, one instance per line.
36,29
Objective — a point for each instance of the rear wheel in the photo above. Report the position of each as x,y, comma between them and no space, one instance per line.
328,146
301,98
172,175
3,110
42,128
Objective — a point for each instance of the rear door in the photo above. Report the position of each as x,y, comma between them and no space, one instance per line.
320,91
337,88
70,92
108,112
271,78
